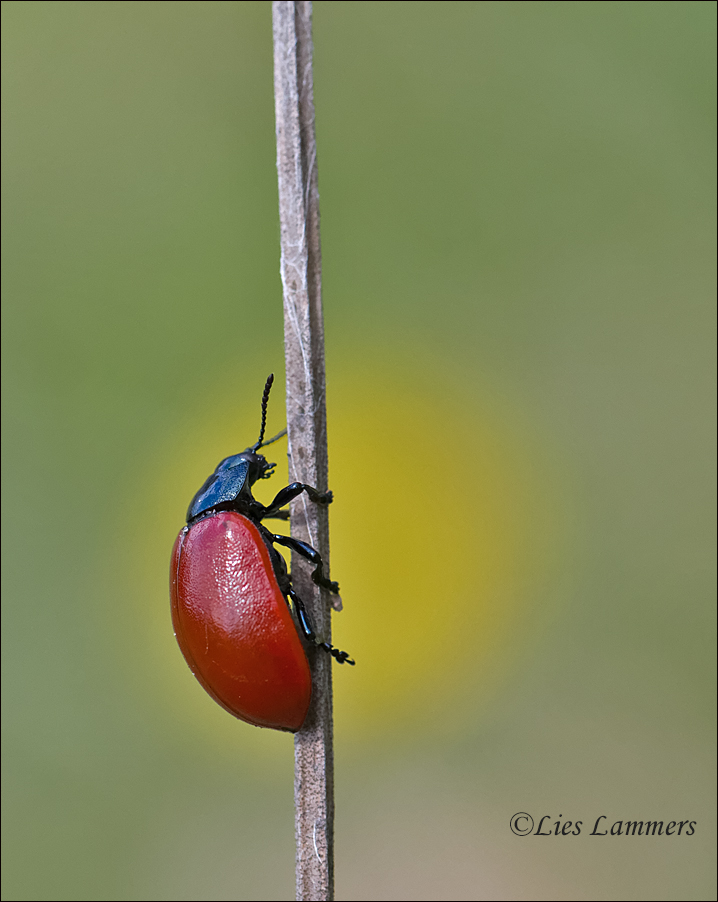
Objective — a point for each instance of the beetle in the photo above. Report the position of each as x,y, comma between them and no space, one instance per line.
230,593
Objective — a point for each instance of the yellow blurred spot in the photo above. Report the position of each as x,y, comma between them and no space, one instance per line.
441,534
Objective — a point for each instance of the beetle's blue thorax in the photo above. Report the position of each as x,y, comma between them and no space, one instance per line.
233,478
224,485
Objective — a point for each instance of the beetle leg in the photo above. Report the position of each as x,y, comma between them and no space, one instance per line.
279,515
310,554
291,491
308,630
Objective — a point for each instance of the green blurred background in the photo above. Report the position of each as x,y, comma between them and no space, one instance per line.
517,227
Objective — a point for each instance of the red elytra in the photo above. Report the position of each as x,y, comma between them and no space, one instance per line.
234,626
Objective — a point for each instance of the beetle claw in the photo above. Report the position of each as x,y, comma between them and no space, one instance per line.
343,657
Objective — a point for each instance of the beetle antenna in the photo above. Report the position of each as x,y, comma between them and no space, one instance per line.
275,438
265,401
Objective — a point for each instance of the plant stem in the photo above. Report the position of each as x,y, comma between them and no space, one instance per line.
306,424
